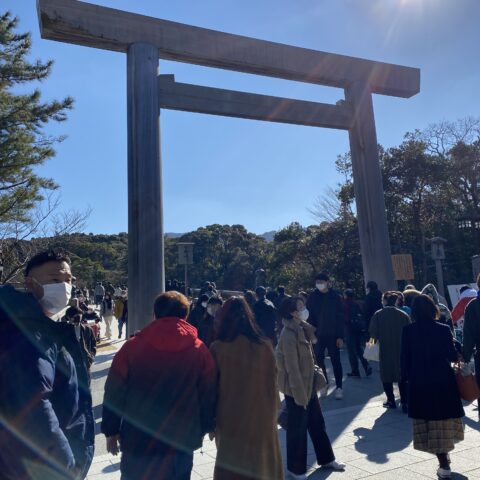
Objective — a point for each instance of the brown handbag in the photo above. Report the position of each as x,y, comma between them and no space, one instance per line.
319,380
466,382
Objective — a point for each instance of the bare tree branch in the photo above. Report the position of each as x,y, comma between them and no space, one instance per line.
442,136
326,207
46,222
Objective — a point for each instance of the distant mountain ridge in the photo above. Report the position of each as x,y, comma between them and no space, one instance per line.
268,236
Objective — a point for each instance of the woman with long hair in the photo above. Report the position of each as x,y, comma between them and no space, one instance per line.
246,417
434,403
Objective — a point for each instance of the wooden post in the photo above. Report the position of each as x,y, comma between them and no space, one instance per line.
368,187
145,212
439,271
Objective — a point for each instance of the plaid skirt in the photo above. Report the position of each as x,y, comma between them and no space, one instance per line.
437,436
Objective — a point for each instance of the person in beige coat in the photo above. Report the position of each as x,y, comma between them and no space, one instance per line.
246,418
296,380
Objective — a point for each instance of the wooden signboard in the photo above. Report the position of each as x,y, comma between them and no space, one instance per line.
403,267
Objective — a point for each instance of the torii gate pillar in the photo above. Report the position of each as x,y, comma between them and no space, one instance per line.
368,188
145,211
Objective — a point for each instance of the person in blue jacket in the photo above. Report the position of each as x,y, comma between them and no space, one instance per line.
46,417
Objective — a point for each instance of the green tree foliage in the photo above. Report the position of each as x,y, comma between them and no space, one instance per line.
228,255
23,143
95,257
430,182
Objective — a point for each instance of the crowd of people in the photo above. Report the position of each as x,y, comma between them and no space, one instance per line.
217,368
102,304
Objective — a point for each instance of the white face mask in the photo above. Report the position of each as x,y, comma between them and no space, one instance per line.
210,311
322,286
303,315
55,297
204,304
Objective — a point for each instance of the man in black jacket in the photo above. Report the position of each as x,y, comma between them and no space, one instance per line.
265,315
373,302
326,315
47,426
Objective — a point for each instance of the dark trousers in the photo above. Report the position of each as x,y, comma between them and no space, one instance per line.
330,343
388,388
121,322
476,358
299,422
172,465
355,346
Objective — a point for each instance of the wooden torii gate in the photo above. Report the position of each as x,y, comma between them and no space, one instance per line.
145,40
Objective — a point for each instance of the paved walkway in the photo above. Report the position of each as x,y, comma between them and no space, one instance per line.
373,442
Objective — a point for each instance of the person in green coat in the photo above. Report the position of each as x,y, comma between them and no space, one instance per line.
386,327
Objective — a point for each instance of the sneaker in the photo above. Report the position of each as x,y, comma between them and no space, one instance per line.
337,466
390,405
339,394
324,391
354,374
368,371
444,473
119,337
290,474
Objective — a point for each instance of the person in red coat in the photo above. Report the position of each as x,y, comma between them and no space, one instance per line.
160,396
467,294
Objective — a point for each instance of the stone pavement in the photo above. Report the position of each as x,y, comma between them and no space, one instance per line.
374,443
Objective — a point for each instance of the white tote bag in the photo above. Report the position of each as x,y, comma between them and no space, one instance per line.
372,351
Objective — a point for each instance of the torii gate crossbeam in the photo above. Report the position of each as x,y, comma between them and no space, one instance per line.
145,40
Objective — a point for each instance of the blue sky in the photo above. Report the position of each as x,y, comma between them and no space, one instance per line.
259,174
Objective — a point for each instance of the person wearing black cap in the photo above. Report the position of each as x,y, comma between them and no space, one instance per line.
265,315
326,315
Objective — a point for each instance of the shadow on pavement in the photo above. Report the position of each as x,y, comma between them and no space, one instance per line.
320,474
96,374
104,357
111,468
473,424
371,441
